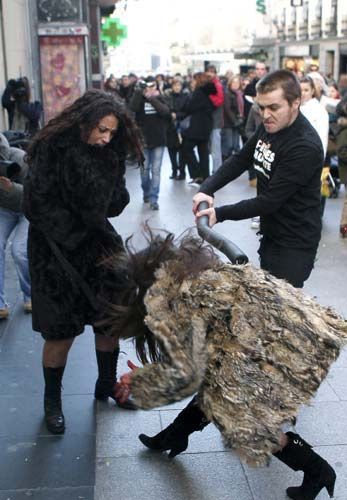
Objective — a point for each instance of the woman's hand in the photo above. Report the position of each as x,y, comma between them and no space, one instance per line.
211,214
122,388
5,184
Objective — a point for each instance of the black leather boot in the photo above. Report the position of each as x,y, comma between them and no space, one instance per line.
54,417
105,385
175,436
318,474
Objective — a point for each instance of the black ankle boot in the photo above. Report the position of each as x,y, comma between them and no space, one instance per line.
318,474
105,385
175,436
54,417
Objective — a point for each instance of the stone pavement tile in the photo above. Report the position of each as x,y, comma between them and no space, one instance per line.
325,393
23,416
337,380
207,476
209,439
117,430
270,483
78,493
324,423
52,462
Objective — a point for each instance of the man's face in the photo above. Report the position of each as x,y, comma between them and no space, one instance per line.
211,74
276,112
260,70
125,81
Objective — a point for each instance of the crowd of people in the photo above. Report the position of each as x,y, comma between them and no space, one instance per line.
205,118
75,181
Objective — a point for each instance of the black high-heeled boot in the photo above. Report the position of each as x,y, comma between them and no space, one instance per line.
175,436
318,474
54,416
105,384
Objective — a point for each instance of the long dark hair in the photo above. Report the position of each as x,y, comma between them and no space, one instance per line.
83,116
189,257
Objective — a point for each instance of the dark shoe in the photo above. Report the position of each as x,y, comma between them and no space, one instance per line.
105,385
154,206
54,417
173,175
168,439
318,474
175,436
146,199
181,177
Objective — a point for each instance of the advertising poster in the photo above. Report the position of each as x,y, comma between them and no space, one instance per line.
62,72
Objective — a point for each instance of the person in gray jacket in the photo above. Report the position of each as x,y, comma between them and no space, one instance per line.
12,220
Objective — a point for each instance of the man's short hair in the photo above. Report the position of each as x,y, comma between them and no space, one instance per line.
211,67
284,79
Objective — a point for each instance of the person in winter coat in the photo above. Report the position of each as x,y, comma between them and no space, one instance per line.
75,182
176,99
233,117
200,108
253,348
341,150
24,116
12,221
217,100
151,114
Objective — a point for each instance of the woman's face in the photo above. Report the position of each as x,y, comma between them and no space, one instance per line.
177,87
333,92
103,133
235,84
193,84
306,92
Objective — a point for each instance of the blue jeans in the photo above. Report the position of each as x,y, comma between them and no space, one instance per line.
150,173
216,149
230,141
9,222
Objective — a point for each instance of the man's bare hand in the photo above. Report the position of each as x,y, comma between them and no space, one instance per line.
198,198
5,184
211,214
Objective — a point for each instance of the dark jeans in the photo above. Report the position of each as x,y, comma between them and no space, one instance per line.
292,264
196,168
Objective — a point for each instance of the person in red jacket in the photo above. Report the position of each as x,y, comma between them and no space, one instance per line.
218,101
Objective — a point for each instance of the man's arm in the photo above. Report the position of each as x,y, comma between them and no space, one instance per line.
232,168
290,176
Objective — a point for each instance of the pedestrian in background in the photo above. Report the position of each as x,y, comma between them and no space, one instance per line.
233,119
152,114
176,99
24,115
75,182
13,222
217,100
197,134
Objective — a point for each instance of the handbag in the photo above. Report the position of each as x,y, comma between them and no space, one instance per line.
184,124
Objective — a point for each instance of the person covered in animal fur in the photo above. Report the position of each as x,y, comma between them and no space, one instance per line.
76,180
251,346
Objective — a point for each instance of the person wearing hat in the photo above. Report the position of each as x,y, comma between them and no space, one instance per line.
152,115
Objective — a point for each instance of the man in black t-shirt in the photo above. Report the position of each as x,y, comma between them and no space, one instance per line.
288,157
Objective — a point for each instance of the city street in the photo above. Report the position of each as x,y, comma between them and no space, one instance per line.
99,456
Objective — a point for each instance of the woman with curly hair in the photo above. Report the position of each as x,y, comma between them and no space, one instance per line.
75,182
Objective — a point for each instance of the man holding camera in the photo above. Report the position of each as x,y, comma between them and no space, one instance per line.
23,115
152,115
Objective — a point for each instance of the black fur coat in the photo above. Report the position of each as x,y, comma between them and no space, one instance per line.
71,190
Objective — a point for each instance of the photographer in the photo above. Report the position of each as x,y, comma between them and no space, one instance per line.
13,170
23,115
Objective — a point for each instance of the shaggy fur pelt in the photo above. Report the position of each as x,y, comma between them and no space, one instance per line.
251,345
